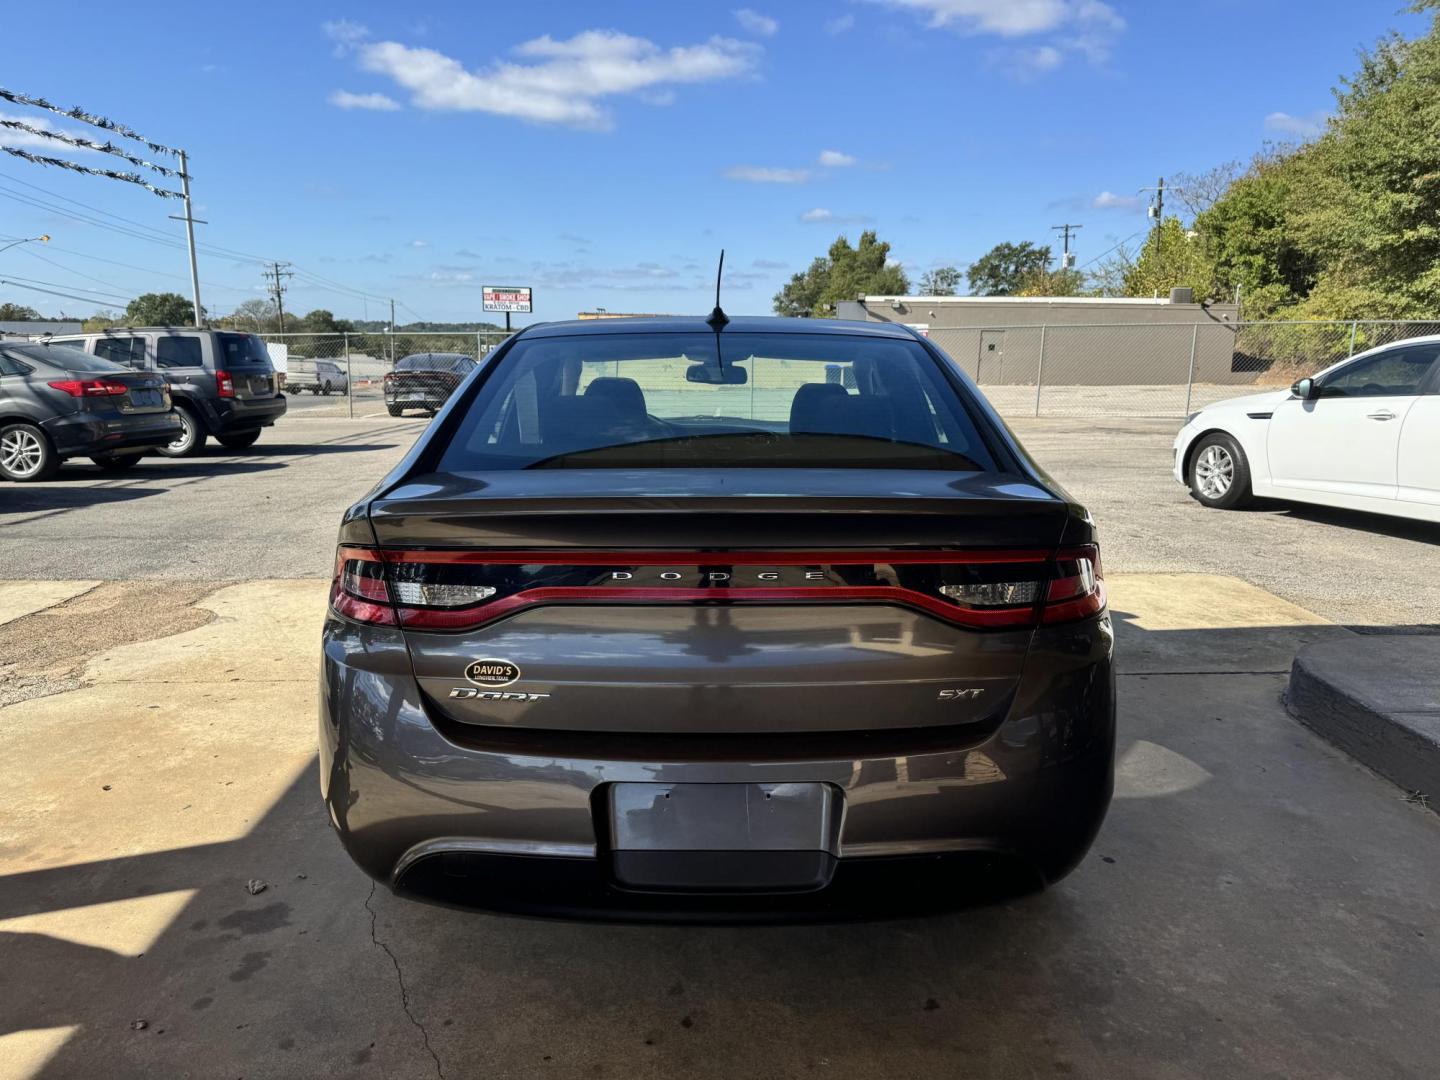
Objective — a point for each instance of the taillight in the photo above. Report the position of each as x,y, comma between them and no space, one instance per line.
358,591
90,387
461,590
1077,586
224,385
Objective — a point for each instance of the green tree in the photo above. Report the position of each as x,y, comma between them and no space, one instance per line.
843,273
1002,270
1171,256
1053,283
101,320
17,313
942,281
159,309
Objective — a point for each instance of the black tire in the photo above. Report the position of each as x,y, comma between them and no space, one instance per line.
116,462
238,441
325,389
394,410
315,391
26,455
191,439
1219,472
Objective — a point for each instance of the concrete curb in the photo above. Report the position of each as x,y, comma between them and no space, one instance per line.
1378,699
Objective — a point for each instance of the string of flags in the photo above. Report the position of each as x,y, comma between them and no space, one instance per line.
92,119
86,144
61,163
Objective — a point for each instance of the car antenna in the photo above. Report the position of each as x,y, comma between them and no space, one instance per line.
718,318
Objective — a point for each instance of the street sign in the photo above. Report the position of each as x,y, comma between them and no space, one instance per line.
506,298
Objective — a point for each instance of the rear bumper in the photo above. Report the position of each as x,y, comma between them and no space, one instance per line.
81,434
232,415
932,820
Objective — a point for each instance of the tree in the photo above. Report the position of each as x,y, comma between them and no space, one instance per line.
1171,256
843,273
1052,283
17,313
101,320
159,309
1002,269
942,281
1197,192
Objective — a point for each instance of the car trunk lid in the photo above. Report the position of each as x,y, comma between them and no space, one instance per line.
744,601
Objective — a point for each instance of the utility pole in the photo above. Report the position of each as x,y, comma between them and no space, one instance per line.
1066,259
273,277
190,222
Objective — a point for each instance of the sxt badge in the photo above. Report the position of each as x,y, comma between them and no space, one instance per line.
492,672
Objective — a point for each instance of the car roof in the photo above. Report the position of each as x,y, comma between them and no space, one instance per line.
692,324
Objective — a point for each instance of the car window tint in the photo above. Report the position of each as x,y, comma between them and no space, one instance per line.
242,350
127,351
63,358
178,352
10,366
1393,373
748,401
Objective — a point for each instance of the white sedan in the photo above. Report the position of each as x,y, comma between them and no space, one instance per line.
1362,435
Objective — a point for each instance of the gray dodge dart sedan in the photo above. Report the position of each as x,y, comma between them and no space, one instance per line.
717,619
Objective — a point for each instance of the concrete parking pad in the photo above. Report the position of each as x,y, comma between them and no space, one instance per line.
1256,906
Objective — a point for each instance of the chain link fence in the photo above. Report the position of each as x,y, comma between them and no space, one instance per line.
1096,370
368,374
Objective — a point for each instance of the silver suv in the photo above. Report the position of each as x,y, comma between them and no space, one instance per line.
221,381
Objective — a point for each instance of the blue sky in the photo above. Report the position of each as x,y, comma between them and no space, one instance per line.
603,154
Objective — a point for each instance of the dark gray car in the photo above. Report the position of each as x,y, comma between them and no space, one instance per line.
56,403
658,621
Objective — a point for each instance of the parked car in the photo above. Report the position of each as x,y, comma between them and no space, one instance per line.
222,381
1362,435
56,402
656,621
318,376
425,381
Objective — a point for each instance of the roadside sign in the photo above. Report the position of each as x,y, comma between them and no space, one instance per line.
506,298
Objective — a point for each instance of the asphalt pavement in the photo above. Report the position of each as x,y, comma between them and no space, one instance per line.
272,512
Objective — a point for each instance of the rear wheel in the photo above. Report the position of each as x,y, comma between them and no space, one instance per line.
116,462
394,410
238,441
325,389
26,454
191,439
1219,472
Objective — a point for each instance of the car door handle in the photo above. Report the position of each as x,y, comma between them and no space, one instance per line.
1383,414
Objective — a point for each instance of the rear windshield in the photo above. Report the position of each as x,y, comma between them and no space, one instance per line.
64,357
433,362
241,350
716,401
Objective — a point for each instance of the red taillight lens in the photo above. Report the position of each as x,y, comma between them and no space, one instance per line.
358,591
90,387
1077,586
224,385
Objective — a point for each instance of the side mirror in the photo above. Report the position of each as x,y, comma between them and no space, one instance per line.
1305,389
729,375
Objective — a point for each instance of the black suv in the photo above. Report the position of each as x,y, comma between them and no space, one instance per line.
222,381
425,381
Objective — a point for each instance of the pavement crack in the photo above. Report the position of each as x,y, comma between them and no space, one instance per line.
400,978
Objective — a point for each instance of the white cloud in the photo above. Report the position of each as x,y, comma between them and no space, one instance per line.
756,174
1108,200
820,216
419,243
753,22
345,32
834,159
1304,126
564,79
1085,27
344,99
840,24
14,137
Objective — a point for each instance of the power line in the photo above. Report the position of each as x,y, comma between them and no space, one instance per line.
1117,247
78,288
51,292
123,265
